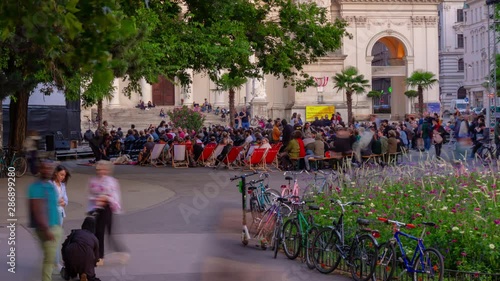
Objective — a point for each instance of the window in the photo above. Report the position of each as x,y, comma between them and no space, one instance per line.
465,17
473,44
465,44
460,41
460,15
460,65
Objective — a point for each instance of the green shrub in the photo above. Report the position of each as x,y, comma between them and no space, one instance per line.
464,208
185,117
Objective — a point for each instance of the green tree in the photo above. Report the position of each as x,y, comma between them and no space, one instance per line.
250,39
422,80
350,81
411,94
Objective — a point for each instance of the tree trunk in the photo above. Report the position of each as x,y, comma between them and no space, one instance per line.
349,107
1,123
421,100
99,113
18,113
232,110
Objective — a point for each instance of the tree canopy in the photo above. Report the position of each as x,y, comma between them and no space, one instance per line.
73,45
351,82
422,80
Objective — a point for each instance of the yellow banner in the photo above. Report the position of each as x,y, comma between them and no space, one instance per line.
319,111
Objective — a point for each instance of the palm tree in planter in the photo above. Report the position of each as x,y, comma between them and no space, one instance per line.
375,95
351,82
411,94
423,80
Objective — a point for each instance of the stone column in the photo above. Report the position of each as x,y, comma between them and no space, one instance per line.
147,91
115,101
187,91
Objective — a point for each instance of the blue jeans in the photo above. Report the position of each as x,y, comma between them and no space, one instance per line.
427,143
245,125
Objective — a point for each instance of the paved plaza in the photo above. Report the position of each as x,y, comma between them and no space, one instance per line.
179,224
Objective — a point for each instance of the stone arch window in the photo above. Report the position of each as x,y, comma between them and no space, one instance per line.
461,65
461,93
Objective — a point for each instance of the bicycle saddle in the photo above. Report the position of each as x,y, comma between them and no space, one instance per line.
282,199
252,188
314,207
288,178
361,221
431,224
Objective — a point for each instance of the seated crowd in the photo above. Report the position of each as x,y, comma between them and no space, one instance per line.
299,142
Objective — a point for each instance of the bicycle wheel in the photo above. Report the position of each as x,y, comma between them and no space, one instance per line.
277,238
255,209
485,154
309,243
386,262
325,250
291,239
363,258
270,196
254,122
20,165
428,267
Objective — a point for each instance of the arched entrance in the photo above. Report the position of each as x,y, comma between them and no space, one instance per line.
389,72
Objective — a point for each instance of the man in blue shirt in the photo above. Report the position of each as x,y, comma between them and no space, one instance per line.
45,218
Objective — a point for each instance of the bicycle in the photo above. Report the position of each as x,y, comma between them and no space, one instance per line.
271,222
327,182
288,190
487,152
19,164
261,196
427,261
93,124
278,229
329,246
300,232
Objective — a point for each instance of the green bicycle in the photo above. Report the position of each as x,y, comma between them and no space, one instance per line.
17,163
298,234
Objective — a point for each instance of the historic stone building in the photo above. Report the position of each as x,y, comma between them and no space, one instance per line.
390,40
451,52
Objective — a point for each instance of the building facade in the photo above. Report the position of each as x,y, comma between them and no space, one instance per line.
451,52
476,55
390,39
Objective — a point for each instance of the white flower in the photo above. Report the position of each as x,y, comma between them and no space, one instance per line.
492,246
462,232
444,208
454,228
372,205
370,213
321,208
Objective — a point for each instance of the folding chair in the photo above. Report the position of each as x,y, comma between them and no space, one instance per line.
206,154
155,157
217,151
277,146
256,159
272,158
179,156
232,156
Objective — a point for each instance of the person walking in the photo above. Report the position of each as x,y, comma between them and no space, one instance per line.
45,217
437,137
59,180
104,202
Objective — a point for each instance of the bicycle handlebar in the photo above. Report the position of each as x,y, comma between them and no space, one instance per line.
243,176
255,181
397,223
295,173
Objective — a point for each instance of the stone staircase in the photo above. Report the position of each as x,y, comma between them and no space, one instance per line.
124,117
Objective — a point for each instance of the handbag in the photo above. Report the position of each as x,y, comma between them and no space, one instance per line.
436,137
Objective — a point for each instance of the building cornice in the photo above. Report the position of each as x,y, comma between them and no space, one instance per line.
412,2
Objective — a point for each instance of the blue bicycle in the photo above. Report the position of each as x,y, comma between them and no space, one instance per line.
425,264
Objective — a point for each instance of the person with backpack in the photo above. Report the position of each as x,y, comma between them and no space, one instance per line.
45,216
80,252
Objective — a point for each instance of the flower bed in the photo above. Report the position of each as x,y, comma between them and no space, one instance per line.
464,208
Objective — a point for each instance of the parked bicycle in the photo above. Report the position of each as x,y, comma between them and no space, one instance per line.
298,233
261,196
289,190
330,245
425,261
16,163
323,183
270,225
